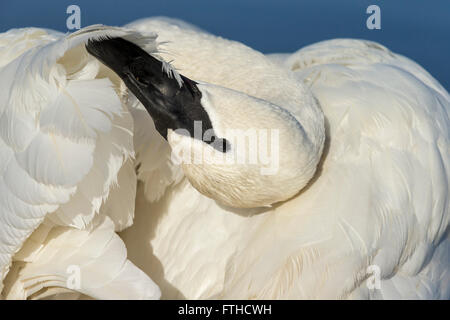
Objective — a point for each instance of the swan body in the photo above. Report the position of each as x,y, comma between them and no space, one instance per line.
362,178
379,198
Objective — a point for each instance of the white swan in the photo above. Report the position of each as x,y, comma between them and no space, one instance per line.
379,196
379,201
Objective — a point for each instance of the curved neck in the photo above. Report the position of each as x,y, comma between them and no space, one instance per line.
232,65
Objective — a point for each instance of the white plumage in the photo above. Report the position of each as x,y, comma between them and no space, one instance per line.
379,195
65,140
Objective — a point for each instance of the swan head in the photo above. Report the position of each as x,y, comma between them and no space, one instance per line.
236,149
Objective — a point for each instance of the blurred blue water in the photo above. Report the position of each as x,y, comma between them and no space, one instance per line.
416,28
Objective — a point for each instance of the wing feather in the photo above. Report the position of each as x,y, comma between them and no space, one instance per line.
64,136
50,258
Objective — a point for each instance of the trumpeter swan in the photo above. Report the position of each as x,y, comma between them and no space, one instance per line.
376,207
376,201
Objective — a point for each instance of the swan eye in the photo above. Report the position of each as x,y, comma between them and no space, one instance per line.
139,72
142,80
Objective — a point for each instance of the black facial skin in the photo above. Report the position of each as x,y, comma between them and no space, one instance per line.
169,105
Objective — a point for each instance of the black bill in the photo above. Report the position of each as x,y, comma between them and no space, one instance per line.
172,104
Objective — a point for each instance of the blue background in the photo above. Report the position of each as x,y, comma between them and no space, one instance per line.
418,29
